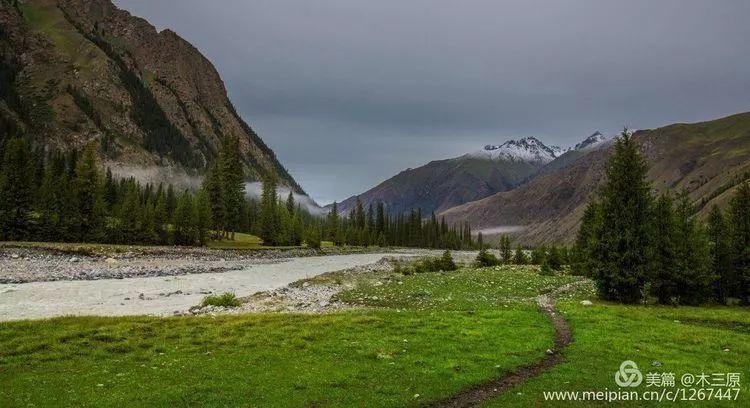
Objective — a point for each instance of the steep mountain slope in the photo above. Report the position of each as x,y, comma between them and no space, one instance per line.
441,184
80,71
706,158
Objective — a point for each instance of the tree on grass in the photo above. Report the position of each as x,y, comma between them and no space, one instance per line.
694,281
538,255
621,257
739,219
555,259
506,253
519,256
720,248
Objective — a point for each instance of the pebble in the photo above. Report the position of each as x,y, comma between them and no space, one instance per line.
586,303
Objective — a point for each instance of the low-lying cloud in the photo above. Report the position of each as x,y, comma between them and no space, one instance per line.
255,190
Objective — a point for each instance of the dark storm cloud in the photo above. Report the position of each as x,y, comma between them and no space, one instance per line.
350,92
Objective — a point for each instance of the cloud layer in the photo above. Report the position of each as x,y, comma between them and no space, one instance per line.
349,92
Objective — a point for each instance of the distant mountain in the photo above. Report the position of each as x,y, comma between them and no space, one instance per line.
708,159
442,184
592,141
528,149
73,72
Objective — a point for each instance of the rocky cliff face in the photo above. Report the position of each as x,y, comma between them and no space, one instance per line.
75,72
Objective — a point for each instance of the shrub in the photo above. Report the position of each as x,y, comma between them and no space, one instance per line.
226,299
447,263
313,238
484,259
444,263
546,270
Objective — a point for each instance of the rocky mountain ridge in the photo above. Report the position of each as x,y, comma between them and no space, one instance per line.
75,72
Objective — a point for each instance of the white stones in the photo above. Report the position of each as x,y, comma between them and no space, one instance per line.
586,303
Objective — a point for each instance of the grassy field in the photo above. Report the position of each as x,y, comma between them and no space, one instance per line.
378,358
658,339
426,337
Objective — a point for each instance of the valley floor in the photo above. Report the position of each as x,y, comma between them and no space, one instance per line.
393,340
44,282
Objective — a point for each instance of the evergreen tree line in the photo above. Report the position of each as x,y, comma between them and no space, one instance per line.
636,244
375,226
64,197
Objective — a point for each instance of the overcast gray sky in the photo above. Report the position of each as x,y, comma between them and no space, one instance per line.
350,92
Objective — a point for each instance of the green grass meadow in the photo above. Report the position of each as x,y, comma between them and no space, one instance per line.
417,339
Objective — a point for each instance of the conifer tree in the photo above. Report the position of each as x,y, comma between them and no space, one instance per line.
268,216
665,278
380,219
591,222
506,253
519,257
694,281
721,255
171,201
291,206
334,234
554,259
161,219
15,191
184,220
538,255
203,220
621,255
130,215
89,200
232,183
739,219
313,236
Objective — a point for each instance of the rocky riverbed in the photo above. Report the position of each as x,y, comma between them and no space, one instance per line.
22,265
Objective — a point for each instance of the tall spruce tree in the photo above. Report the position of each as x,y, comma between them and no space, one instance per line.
695,280
739,219
232,184
591,223
89,198
333,227
184,220
666,271
203,219
721,255
269,219
621,258
506,252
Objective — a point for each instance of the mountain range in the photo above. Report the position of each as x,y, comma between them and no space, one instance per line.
538,193
75,72
708,159
442,184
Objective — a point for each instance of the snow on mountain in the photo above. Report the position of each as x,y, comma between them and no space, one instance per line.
594,140
528,149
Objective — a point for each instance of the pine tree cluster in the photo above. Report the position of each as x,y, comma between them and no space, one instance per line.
375,226
635,244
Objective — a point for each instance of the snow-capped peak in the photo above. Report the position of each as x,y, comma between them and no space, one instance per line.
528,149
595,139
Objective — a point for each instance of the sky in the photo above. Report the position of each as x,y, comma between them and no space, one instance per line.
350,92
